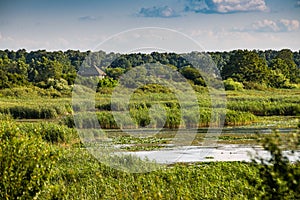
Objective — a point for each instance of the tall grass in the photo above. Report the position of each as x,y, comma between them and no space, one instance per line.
49,132
173,119
266,108
266,103
80,176
35,109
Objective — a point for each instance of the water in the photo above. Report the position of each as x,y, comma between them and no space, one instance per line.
207,154
220,152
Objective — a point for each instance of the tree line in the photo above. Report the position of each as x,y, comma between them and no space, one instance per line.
58,69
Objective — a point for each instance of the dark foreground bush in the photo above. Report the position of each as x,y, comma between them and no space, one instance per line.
280,178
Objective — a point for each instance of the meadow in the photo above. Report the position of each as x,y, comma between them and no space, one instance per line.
42,156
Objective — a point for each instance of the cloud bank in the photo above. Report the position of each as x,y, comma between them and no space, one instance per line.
282,25
225,6
162,12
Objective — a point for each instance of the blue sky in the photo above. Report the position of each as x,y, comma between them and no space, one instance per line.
216,24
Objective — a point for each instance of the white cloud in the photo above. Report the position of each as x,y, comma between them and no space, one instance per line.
282,25
288,25
163,12
226,40
297,4
265,26
225,6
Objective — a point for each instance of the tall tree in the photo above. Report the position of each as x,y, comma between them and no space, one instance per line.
246,66
284,62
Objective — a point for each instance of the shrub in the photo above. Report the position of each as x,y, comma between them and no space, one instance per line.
24,92
25,163
230,84
280,177
255,86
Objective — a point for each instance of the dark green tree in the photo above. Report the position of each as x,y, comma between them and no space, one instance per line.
284,62
114,73
246,66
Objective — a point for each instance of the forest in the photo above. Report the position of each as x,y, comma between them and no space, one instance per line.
240,69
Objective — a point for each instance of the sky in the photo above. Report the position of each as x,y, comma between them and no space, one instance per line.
216,25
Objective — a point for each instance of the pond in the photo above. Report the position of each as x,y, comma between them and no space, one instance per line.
229,144
208,154
237,147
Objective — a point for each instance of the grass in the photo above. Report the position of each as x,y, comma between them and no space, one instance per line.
82,177
266,103
35,108
243,107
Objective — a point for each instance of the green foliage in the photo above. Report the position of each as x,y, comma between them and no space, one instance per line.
278,80
49,132
37,109
57,70
107,82
246,66
60,85
31,168
193,74
5,117
287,65
25,163
28,92
153,88
266,107
80,176
255,86
280,178
173,119
115,73
239,118
230,84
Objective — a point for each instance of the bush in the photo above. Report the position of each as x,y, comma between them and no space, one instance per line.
256,86
280,177
24,92
25,164
230,84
